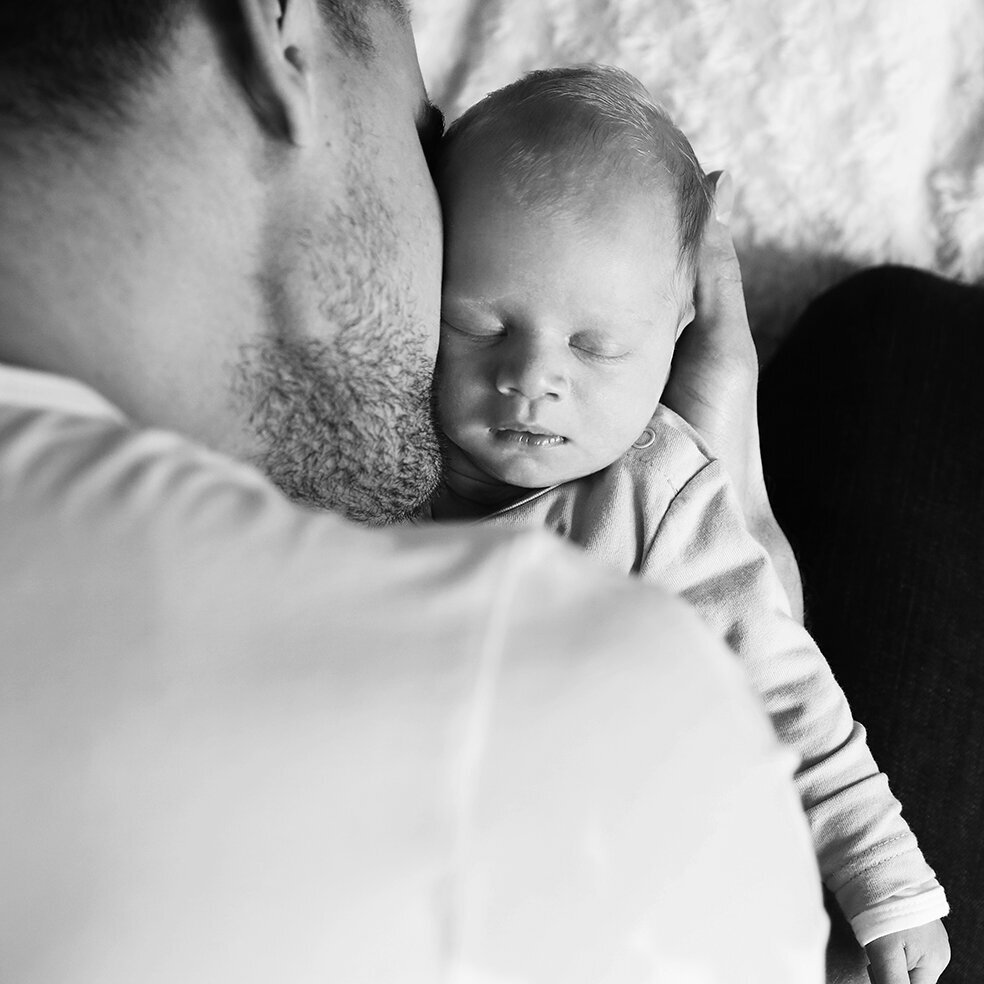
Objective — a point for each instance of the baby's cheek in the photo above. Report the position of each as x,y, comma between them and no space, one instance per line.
456,400
453,364
444,395
620,420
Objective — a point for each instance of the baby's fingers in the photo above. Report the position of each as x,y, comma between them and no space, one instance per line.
888,962
912,956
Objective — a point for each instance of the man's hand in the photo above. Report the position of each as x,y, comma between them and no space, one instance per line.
713,385
913,956
715,369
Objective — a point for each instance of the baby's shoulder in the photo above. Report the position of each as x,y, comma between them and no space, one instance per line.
668,449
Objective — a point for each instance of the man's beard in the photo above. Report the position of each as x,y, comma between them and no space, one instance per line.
345,420
356,438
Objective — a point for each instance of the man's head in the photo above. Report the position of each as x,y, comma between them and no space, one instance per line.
573,211
260,267
81,61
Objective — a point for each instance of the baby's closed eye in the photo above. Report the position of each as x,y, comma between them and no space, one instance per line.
597,345
473,328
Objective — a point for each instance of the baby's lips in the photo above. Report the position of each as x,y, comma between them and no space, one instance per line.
523,426
527,437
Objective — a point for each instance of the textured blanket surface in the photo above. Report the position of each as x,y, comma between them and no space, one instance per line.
854,129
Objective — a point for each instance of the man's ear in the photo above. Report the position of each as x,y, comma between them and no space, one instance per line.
279,40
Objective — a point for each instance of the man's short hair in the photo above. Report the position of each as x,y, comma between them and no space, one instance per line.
553,131
59,57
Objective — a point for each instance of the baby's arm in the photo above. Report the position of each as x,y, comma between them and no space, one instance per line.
713,387
868,856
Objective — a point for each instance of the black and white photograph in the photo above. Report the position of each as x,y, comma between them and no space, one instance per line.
491,492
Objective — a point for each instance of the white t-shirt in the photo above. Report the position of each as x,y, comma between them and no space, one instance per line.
243,741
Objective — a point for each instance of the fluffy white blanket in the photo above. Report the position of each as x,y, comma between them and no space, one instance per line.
854,129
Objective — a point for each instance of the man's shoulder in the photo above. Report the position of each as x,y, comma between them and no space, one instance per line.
542,590
154,523
159,522
173,608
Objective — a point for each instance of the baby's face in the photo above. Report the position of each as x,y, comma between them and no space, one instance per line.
557,333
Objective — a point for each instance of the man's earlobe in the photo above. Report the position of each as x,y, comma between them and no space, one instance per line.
277,76
301,126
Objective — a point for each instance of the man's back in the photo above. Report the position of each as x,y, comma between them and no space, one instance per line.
245,742
249,742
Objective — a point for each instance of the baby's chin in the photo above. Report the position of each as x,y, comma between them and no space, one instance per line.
521,465
532,474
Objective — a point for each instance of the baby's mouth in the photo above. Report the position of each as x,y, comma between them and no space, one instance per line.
521,434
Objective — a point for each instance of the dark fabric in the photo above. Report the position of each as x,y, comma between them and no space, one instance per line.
872,418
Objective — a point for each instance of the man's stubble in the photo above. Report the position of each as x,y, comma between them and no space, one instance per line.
344,420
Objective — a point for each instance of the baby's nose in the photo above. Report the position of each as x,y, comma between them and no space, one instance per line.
530,371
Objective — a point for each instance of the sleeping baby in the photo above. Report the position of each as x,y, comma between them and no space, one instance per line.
574,211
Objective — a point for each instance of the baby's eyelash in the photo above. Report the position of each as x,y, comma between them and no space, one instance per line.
601,357
487,332
595,353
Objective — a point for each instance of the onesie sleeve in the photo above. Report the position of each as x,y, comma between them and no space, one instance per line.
867,854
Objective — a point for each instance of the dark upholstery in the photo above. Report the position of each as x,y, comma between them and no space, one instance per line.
872,419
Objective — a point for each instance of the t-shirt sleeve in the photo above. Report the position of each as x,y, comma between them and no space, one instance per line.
868,856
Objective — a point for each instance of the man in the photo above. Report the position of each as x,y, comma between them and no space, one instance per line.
248,740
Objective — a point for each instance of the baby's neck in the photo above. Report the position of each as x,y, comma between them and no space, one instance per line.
467,496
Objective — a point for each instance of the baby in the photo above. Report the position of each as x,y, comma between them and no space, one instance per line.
574,211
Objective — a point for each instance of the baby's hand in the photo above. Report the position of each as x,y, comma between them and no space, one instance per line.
913,956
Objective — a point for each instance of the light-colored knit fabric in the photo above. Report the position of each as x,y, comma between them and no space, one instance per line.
668,514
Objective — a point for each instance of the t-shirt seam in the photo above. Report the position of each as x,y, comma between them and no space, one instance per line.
867,869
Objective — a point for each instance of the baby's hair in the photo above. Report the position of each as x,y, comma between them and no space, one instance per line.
549,126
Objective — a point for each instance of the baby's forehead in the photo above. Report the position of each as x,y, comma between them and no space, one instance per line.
585,188
542,140
603,234
564,166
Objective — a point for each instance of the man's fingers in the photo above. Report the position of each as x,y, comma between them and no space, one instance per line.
720,301
720,330
888,964
718,261
724,195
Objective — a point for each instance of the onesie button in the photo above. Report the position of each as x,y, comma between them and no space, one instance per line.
645,439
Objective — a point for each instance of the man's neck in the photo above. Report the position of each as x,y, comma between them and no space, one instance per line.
113,249
68,258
